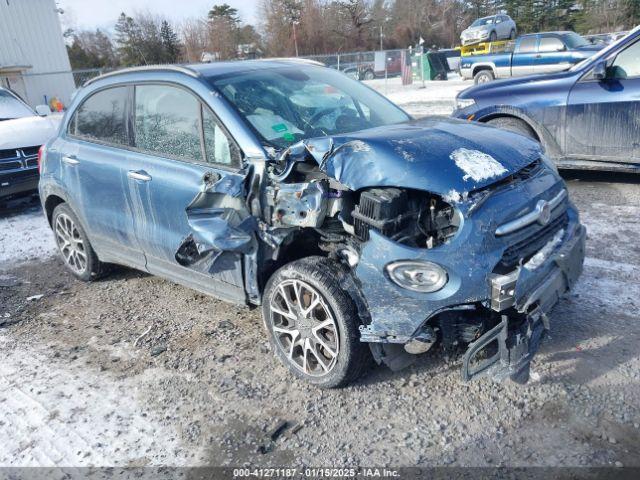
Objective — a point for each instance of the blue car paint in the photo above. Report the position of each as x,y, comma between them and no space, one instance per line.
581,123
202,226
417,155
513,63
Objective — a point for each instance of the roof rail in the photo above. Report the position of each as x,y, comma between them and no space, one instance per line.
293,60
146,68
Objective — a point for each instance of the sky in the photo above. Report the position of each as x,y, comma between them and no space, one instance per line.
91,14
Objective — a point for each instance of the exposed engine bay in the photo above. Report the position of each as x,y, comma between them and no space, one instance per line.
311,199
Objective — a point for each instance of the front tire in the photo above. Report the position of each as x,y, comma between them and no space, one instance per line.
512,35
514,125
483,76
493,37
74,246
369,75
312,323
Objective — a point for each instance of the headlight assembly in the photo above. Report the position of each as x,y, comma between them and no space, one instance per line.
424,277
464,103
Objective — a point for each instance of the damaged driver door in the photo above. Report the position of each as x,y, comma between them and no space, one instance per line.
188,192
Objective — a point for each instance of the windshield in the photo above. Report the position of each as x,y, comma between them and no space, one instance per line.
573,40
482,21
286,105
11,107
604,52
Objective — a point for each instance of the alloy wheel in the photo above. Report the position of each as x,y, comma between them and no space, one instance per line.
304,327
70,243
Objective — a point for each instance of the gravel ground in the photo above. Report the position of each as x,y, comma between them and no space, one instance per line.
134,370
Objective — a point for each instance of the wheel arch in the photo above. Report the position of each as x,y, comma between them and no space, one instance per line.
549,144
51,202
483,66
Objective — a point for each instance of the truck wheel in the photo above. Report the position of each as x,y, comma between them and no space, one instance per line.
73,244
369,75
313,324
512,35
514,125
493,37
483,76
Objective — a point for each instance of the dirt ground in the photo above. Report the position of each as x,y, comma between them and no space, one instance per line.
134,370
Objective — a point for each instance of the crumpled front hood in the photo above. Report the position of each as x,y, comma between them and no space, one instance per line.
433,154
28,131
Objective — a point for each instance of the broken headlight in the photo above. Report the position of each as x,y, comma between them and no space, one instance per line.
424,277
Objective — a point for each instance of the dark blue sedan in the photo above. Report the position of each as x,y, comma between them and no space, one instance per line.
587,117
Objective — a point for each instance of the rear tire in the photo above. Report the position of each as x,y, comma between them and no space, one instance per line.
74,246
328,357
483,76
514,125
369,75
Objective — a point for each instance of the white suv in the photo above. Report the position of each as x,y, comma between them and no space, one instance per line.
489,29
22,132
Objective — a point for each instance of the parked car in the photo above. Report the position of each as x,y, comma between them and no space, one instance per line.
489,29
368,71
361,232
535,53
22,132
587,117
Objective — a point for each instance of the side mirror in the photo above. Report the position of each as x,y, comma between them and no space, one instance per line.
43,110
600,71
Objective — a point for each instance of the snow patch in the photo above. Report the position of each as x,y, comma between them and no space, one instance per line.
477,165
359,146
25,237
452,196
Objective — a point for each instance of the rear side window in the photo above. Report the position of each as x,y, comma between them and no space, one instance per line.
167,122
527,45
102,117
550,44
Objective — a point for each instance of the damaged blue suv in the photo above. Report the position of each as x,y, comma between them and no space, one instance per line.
362,233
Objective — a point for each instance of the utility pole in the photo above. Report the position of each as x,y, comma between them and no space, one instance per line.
295,38
381,37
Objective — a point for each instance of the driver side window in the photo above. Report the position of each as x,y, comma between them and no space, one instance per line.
627,63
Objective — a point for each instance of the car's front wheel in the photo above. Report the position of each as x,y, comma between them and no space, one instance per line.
369,75
76,251
483,76
313,324
514,125
493,37
512,35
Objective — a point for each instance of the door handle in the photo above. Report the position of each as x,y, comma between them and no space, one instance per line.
139,175
70,160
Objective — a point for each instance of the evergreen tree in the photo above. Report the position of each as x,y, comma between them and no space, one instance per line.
170,42
128,40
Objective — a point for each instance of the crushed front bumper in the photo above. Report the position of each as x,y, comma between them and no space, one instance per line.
508,349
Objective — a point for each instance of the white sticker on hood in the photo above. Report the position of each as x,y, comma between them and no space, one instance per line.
477,165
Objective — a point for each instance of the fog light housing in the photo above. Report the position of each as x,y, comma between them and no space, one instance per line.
423,277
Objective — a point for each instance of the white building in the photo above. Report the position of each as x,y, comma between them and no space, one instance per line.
33,57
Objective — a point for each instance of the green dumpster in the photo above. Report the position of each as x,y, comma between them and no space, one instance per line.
432,67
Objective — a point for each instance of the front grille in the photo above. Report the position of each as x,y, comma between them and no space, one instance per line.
527,247
16,165
19,158
30,151
11,153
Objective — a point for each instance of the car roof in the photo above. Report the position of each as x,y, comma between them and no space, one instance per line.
214,69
